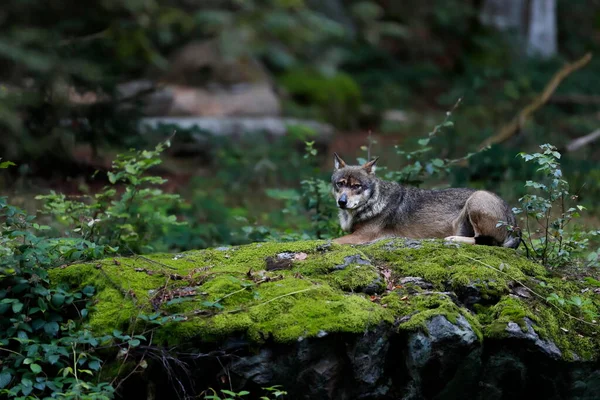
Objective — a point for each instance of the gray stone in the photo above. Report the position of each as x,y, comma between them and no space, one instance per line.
545,346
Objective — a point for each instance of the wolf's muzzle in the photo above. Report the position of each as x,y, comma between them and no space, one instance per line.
343,201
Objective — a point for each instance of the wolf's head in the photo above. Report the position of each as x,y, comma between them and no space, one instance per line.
353,185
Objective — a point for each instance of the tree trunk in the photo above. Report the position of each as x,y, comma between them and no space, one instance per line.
530,23
542,34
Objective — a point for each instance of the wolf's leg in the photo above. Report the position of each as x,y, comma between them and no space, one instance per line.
463,230
461,239
358,238
485,210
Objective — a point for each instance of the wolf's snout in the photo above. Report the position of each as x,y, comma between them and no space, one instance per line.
343,201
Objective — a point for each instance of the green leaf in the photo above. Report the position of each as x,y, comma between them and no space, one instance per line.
437,162
37,324
88,290
6,164
53,358
51,328
42,304
16,307
95,365
35,368
5,378
57,300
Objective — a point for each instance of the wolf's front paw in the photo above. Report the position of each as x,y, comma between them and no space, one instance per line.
460,239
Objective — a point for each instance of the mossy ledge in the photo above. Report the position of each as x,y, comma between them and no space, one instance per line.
284,292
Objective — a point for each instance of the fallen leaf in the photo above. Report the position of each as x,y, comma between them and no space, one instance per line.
404,298
300,256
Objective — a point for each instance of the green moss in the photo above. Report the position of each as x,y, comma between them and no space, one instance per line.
452,267
507,310
417,309
318,290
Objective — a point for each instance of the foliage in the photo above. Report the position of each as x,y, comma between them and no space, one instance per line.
316,197
332,98
420,167
45,346
130,219
51,54
273,392
284,33
547,214
42,327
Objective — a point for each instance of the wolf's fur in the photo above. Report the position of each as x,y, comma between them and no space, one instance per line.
375,209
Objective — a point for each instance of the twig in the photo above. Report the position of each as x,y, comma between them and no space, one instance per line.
154,262
235,292
83,39
283,295
582,99
583,140
533,292
514,126
11,351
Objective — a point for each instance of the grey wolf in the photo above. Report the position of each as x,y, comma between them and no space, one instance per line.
371,208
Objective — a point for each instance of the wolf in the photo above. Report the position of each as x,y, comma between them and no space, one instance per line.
371,208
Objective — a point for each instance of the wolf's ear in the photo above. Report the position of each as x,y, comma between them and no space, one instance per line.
337,162
370,166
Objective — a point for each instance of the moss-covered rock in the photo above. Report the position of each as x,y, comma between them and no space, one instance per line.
288,293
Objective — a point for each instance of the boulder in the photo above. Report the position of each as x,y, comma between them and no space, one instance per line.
393,319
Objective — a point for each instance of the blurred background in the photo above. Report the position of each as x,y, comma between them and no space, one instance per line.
260,94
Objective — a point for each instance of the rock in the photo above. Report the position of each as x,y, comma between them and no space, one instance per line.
416,281
432,355
367,358
202,128
242,100
203,81
545,346
327,328
349,260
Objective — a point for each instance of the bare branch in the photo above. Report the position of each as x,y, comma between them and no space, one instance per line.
514,126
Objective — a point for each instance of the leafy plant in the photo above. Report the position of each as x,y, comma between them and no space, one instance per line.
273,392
47,348
43,342
578,305
548,213
420,166
129,220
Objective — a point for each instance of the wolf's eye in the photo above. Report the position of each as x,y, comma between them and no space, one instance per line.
339,184
356,186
